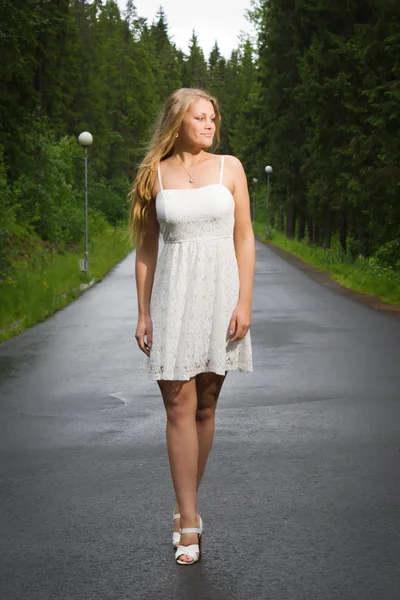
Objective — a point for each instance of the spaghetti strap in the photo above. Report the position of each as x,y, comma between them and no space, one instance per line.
221,173
159,178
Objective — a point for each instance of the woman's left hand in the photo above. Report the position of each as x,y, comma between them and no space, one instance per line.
240,322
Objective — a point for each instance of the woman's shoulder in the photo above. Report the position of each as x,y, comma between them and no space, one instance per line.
233,163
229,159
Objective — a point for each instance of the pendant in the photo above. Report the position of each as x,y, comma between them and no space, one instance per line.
191,180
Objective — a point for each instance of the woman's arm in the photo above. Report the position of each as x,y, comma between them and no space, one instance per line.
145,265
245,252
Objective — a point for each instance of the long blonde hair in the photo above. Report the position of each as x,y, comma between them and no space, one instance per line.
161,147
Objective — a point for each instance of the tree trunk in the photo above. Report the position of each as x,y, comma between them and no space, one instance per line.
310,230
361,238
290,221
302,226
317,237
273,220
343,230
328,232
281,220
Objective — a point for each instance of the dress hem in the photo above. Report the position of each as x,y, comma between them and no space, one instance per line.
241,368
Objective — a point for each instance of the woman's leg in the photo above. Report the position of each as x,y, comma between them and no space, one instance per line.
180,401
208,386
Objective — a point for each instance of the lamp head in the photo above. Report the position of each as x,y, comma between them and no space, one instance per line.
268,169
85,138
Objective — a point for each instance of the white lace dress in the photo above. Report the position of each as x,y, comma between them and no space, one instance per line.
196,285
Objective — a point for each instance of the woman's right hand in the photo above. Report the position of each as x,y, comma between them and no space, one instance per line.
144,334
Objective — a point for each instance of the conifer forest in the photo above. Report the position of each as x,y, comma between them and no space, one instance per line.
315,93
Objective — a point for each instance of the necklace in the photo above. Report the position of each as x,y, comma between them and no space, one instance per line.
191,177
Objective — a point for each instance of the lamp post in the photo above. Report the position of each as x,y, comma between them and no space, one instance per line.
255,181
85,139
268,170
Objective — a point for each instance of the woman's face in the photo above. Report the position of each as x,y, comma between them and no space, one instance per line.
198,124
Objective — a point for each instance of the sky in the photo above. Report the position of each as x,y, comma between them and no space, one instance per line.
220,20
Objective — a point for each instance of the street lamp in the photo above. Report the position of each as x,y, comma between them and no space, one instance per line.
268,170
85,139
255,181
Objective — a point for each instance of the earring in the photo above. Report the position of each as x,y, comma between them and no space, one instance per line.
177,135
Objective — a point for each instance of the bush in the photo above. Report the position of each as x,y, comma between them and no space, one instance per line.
388,255
109,197
45,192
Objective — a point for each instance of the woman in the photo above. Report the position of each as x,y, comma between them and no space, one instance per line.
194,301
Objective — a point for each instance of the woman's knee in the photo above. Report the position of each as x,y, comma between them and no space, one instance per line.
179,400
206,408
178,410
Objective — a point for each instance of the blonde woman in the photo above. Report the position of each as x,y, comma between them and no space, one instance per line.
194,300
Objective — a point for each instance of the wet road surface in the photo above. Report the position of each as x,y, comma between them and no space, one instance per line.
301,496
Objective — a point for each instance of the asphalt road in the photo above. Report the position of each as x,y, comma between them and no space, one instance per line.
301,496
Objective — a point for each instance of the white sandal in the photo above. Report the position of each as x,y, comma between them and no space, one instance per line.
176,536
194,550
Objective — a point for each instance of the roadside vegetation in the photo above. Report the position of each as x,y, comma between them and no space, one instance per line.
378,275
46,277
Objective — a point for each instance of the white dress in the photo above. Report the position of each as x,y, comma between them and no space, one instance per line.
196,285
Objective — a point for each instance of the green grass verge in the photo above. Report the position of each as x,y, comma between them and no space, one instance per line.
361,275
49,279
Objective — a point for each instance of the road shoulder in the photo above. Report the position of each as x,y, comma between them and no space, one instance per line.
324,278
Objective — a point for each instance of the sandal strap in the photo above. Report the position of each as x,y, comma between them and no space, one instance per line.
177,516
191,530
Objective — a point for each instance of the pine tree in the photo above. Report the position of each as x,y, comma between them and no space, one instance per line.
169,73
195,68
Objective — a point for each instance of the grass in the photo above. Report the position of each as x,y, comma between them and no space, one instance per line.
48,279
361,275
